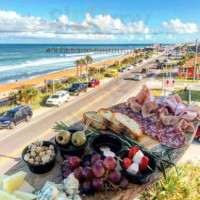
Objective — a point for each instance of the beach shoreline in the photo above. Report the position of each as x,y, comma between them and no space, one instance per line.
56,75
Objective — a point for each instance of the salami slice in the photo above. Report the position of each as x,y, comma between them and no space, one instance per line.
172,137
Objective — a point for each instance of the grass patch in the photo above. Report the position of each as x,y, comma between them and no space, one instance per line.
156,91
185,185
184,80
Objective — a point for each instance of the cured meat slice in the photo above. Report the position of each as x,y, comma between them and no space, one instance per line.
172,137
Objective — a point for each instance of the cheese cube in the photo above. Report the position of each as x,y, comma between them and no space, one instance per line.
6,196
138,157
13,182
24,195
1,181
133,169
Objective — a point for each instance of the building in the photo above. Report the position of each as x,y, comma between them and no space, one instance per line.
187,70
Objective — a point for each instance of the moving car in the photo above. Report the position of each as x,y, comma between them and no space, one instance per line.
123,69
144,70
165,61
94,83
57,98
130,67
15,116
157,61
161,65
113,73
140,61
137,77
197,136
77,88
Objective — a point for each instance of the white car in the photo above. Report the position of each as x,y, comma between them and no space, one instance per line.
57,98
137,77
130,67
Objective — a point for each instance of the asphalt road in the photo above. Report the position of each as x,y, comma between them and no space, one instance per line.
117,90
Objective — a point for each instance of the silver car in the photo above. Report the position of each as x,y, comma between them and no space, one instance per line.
137,77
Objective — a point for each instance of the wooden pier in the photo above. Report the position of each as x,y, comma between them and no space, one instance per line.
88,50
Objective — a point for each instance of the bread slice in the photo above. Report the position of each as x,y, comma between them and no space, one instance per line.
96,120
108,120
128,126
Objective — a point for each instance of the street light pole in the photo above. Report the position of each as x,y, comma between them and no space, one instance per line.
195,61
162,79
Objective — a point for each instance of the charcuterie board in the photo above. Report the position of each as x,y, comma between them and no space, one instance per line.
132,191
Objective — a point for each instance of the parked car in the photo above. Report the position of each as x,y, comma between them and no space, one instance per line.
94,83
157,61
123,69
77,88
165,61
137,77
135,64
130,67
197,135
57,98
161,65
144,70
15,116
140,61
113,73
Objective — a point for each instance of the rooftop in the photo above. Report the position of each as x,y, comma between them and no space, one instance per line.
190,63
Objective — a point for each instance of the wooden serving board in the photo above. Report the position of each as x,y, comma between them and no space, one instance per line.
133,191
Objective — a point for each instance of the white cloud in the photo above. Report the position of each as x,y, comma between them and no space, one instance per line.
148,37
105,27
176,26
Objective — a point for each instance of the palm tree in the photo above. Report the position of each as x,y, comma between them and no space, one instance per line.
78,63
82,63
89,60
29,95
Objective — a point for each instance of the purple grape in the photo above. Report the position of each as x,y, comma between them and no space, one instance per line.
86,186
86,164
66,173
87,158
98,170
64,167
95,157
114,176
109,163
124,182
87,173
100,161
97,184
74,162
67,157
78,173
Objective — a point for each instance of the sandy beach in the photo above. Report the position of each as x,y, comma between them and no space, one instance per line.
68,72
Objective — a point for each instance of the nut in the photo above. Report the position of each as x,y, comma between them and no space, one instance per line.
41,154
31,161
51,147
33,154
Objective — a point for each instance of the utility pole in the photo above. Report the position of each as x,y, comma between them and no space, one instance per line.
195,61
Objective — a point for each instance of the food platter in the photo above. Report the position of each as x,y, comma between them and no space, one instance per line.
133,190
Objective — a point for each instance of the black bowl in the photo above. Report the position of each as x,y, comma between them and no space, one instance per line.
70,149
41,168
109,140
145,176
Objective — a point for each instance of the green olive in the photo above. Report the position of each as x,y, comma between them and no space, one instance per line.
63,137
78,138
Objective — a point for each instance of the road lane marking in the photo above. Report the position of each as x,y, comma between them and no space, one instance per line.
49,130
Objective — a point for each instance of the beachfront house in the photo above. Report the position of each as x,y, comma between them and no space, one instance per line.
187,70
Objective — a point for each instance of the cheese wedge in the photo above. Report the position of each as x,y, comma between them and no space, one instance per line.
6,196
26,187
13,182
1,181
24,195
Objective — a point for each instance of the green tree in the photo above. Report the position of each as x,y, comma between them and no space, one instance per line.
192,55
29,95
78,64
92,71
82,63
182,62
89,60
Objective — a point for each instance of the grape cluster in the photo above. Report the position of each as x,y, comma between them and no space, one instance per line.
94,173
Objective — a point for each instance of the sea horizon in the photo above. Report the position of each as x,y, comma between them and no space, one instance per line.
26,61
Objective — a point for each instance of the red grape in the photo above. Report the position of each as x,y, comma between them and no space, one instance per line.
98,170
114,176
109,163
65,166
87,173
86,163
95,157
97,184
124,183
100,161
87,158
74,162
86,186
78,173
66,173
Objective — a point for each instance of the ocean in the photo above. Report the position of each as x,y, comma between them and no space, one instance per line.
26,61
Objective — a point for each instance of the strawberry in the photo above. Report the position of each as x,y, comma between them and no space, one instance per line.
127,162
144,163
133,151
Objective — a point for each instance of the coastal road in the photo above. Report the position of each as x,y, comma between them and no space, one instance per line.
117,90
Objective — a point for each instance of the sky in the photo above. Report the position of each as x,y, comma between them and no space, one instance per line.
99,21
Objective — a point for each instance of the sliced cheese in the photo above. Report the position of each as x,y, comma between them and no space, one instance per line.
24,195
26,187
133,169
138,157
6,196
1,181
13,182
